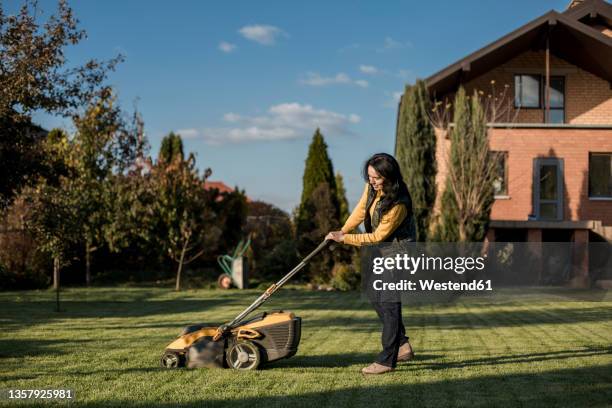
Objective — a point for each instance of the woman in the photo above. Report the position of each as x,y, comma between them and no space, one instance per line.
385,208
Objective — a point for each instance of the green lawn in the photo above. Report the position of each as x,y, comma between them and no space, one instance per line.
515,348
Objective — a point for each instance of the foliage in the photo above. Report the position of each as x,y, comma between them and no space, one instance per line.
415,150
231,213
102,144
171,148
343,206
272,239
467,201
34,76
182,212
318,212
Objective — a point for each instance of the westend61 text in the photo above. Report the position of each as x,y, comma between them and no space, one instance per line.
408,285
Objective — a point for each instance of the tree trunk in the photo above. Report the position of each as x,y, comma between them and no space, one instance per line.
180,266
56,282
462,237
87,263
56,276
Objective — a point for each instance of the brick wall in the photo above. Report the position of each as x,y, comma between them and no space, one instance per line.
523,145
588,98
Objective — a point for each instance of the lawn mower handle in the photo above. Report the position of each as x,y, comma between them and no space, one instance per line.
273,288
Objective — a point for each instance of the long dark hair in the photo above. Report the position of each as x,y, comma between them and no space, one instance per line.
394,186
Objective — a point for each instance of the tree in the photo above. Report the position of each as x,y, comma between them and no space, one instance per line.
171,148
318,170
415,150
472,169
54,217
318,212
182,211
343,206
34,76
102,144
273,245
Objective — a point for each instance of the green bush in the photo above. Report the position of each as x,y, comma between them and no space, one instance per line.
279,261
345,277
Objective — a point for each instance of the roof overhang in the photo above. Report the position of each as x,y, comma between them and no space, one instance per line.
594,9
569,39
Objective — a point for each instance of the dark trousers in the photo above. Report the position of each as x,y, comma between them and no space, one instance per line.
394,332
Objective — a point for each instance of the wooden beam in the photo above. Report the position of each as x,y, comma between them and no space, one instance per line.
547,75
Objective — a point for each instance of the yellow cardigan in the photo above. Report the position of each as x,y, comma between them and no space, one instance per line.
388,223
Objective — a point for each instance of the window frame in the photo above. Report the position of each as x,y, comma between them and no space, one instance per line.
551,108
540,89
503,194
591,196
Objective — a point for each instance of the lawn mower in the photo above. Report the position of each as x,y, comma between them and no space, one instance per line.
241,344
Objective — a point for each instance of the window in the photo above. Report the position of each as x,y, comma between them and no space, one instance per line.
600,175
557,100
500,181
527,91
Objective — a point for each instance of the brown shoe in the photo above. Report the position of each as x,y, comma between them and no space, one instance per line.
405,353
376,368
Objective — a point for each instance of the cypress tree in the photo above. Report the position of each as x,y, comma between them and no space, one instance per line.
343,206
319,195
415,150
171,148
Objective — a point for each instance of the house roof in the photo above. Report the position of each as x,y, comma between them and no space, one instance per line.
219,185
569,39
222,187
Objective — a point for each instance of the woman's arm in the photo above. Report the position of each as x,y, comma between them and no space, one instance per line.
358,214
388,223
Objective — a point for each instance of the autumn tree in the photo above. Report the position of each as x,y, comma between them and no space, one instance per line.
182,211
34,76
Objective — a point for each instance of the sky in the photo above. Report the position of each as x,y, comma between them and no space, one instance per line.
246,83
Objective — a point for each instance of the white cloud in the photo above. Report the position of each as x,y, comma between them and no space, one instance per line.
315,79
188,133
231,117
391,44
262,34
227,47
368,69
284,121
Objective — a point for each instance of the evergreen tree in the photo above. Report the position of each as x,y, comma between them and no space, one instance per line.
171,148
415,150
343,206
318,211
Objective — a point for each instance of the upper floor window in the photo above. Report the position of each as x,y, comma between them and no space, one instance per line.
527,91
600,175
557,99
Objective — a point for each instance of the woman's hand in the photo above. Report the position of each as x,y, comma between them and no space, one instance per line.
337,236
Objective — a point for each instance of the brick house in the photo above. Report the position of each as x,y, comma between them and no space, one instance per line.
555,181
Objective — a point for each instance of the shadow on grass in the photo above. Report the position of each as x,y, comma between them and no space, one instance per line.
520,358
588,386
36,312
334,360
477,318
37,347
